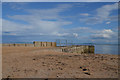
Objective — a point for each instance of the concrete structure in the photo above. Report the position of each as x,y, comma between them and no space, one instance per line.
53,44
29,45
49,44
18,45
44,44
5,44
68,49
79,49
35,44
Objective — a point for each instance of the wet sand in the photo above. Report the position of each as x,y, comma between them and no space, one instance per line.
34,62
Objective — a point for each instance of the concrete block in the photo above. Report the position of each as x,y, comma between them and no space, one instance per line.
53,44
91,49
22,45
44,44
49,44
5,45
79,49
37,44
29,45
11,45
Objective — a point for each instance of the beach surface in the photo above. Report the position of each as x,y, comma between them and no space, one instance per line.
35,62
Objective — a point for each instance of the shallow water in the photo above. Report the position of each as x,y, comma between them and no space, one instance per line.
106,49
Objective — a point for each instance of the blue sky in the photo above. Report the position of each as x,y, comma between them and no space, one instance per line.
82,22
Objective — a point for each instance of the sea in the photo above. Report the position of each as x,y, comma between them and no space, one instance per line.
106,48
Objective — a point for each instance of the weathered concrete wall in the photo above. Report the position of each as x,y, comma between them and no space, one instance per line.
5,44
44,44
82,49
79,49
11,44
49,44
35,44
18,45
54,44
29,45
70,49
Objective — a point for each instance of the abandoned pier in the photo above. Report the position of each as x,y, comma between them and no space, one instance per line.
89,49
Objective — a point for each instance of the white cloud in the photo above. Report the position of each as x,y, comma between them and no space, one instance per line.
105,11
84,14
43,21
108,22
60,34
48,22
106,33
16,5
103,14
80,29
12,28
75,35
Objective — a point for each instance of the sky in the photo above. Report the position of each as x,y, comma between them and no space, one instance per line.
80,22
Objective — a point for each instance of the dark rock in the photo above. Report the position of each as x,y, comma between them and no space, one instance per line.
76,55
80,67
63,64
111,58
84,69
36,71
48,69
61,69
59,62
18,70
8,76
34,59
87,73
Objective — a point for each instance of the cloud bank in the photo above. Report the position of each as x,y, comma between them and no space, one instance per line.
49,23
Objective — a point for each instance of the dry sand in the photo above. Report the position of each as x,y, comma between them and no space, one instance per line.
33,62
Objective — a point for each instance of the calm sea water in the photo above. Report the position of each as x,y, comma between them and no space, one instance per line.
106,49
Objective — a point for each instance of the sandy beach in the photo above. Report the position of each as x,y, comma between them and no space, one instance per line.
35,62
